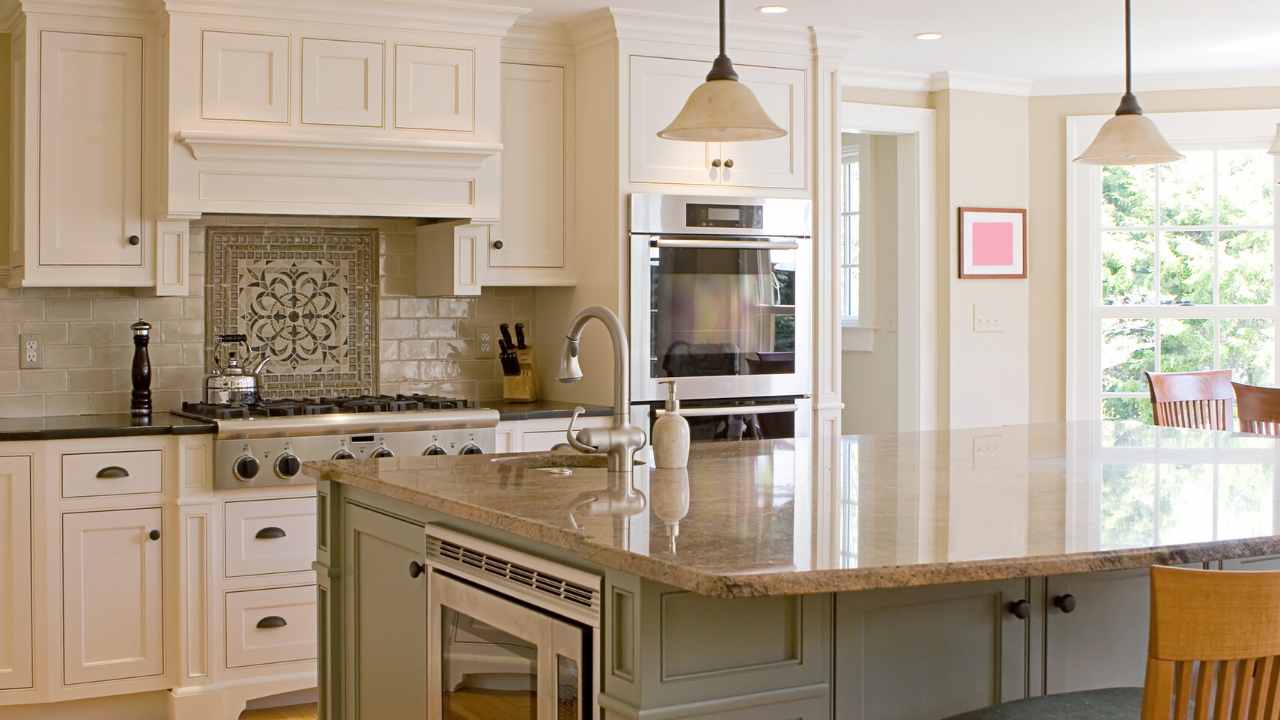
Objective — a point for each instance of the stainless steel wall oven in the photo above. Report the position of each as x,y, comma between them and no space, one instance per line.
720,296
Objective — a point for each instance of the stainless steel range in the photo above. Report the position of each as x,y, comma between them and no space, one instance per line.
265,443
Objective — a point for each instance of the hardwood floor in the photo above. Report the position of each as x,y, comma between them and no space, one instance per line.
292,712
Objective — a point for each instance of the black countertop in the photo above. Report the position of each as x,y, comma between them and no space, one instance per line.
545,410
70,427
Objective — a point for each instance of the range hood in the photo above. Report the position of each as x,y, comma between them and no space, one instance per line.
279,173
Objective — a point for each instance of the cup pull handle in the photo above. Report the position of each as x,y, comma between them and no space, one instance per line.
112,472
270,533
271,622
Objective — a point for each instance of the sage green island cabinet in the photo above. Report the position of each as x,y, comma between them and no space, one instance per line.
927,575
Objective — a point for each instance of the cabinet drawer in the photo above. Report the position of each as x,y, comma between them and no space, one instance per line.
271,626
111,473
270,536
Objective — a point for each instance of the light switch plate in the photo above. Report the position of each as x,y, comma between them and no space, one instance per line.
985,323
30,352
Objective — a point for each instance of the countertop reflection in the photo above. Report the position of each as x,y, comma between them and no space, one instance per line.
894,510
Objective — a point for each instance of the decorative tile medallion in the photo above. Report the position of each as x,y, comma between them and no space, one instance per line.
308,297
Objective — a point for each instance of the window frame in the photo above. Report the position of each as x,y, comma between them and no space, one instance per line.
1085,311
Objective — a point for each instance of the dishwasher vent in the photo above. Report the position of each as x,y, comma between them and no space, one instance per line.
489,562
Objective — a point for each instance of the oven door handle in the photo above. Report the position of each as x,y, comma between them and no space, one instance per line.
735,244
733,410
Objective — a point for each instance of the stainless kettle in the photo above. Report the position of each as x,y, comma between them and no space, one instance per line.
232,382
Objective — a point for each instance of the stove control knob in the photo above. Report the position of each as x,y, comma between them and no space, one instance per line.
288,465
434,450
382,452
246,468
343,454
471,449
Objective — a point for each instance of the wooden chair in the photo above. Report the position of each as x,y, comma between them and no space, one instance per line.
1213,652
1201,400
1259,409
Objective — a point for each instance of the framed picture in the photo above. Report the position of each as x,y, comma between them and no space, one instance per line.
993,243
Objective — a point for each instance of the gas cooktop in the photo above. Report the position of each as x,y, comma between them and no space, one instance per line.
291,407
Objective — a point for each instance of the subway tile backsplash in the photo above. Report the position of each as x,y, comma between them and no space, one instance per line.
424,344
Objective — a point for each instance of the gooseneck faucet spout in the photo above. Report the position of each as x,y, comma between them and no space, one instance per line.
623,439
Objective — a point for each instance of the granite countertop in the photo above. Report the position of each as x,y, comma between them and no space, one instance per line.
753,519
545,409
70,427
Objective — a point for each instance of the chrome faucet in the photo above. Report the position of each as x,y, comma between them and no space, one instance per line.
622,440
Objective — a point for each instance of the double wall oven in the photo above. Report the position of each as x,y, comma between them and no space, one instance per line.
721,302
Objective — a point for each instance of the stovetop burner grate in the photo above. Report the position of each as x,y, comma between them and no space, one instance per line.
289,407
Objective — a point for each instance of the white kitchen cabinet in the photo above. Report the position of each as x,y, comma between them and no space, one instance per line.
659,88
113,605
90,157
541,434
435,88
342,82
244,76
15,573
532,231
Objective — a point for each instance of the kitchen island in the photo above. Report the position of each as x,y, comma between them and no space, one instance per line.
925,574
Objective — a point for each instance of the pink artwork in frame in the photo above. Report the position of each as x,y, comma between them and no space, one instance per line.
993,243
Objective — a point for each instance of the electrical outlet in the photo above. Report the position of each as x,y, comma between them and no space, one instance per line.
30,353
485,339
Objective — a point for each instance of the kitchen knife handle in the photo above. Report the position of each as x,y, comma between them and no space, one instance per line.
520,336
505,329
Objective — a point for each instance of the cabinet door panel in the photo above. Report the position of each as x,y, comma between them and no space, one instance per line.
1103,641
113,609
245,77
341,82
90,149
385,617
15,573
926,653
435,88
532,168
777,163
659,87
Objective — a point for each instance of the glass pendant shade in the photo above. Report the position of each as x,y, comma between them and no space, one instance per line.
1275,146
1129,140
722,111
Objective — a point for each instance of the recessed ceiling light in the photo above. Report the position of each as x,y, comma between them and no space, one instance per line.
929,36
772,9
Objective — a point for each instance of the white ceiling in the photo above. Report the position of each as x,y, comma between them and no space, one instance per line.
1056,44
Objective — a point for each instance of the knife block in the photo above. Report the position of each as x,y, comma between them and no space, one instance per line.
522,387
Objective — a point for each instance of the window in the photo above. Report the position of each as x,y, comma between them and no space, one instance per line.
1180,269
850,226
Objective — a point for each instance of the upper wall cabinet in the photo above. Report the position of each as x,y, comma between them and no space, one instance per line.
659,87
78,209
378,108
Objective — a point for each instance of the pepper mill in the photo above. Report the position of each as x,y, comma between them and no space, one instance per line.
140,400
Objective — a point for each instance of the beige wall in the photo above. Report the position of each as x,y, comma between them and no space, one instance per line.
869,379
1048,219
984,140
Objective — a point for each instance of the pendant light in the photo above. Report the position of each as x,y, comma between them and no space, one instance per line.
722,109
1275,146
1129,138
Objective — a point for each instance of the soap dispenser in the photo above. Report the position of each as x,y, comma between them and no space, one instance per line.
671,433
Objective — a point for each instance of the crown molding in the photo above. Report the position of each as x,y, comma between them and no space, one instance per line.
1114,85
606,24
976,82
882,79
433,15
534,34
129,9
833,43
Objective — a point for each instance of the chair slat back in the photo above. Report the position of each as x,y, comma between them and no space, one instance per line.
1259,409
1203,400
1214,646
